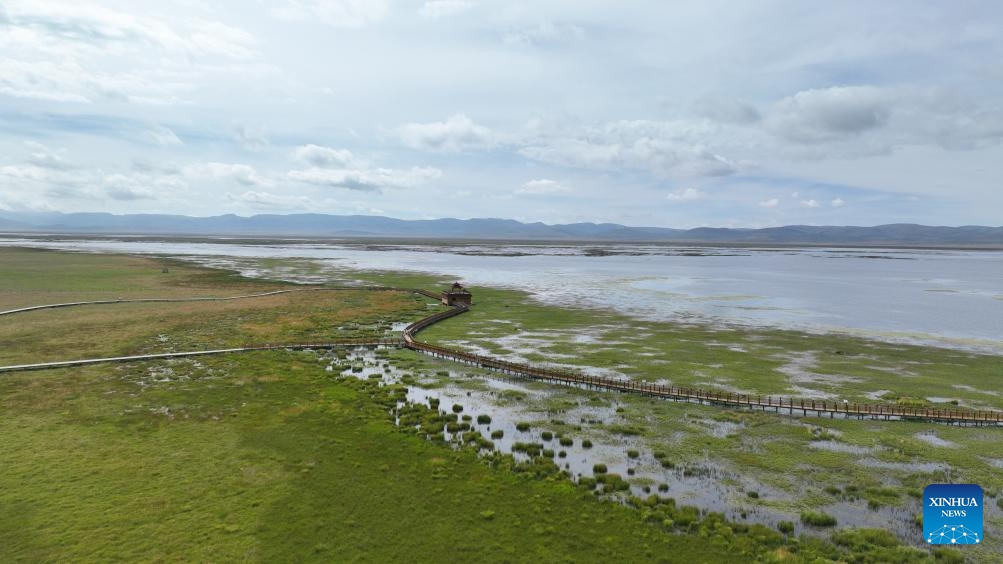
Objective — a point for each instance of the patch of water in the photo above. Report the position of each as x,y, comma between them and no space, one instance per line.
932,439
836,446
922,467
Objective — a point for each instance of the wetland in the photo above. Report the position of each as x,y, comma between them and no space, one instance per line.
749,472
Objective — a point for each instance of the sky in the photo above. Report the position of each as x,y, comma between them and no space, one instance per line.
672,114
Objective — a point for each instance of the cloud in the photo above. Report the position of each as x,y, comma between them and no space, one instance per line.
336,13
325,157
93,25
673,148
240,173
825,114
545,33
838,203
809,203
542,186
70,82
687,195
435,9
43,157
366,180
771,203
457,133
162,136
250,139
267,201
122,187
726,110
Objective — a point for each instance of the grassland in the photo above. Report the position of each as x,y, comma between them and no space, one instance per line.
260,457
130,328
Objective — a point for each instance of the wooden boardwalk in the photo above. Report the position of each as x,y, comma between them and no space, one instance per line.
775,404
789,406
245,348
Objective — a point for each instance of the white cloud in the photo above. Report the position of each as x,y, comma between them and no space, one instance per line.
544,33
240,173
367,180
249,138
325,157
675,148
44,157
434,9
336,13
122,187
838,203
86,23
458,133
771,203
162,136
687,195
809,203
269,201
542,186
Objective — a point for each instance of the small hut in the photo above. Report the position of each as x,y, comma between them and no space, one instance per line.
456,295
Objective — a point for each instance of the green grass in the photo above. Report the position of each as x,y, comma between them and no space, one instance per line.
123,329
267,459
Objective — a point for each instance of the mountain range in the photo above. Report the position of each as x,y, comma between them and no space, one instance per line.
363,226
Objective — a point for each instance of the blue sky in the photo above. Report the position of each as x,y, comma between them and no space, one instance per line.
673,114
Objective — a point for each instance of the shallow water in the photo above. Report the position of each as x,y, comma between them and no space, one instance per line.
944,298
710,485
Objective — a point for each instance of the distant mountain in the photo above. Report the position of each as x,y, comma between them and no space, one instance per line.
320,225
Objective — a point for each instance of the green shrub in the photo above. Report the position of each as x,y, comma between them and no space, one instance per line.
457,408
659,455
816,519
532,449
567,441
467,418
629,430
522,426
483,419
631,453
586,443
562,454
752,495
785,527
548,453
497,434
599,469
546,435
663,487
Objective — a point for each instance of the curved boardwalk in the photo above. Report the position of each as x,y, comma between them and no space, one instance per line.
788,406
782,405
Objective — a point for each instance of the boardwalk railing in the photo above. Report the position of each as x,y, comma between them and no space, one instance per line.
790,406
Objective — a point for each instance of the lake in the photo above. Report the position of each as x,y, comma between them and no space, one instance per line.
938,297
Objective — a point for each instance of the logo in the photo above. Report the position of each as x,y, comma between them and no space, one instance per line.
952,514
